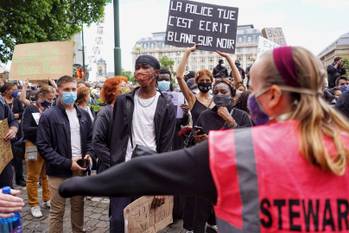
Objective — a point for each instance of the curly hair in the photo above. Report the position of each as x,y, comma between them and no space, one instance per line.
111,88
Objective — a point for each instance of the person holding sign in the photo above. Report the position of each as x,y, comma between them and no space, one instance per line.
35,162
6,174
289,175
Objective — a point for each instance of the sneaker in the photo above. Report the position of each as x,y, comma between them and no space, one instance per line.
36,211
46,204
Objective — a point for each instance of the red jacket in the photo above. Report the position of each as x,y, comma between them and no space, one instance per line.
264,184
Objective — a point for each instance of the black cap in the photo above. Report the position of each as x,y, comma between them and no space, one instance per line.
149,60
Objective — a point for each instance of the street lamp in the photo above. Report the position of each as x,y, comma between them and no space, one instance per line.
117,49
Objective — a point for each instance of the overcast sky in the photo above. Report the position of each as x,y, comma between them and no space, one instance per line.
313,24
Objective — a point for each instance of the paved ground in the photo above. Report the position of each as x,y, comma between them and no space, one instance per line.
96,217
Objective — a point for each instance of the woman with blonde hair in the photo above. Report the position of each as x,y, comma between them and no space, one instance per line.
290,174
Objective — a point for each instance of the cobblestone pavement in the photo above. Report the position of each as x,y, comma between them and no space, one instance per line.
96,217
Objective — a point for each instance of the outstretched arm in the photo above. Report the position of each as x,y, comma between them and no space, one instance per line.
184,172
235,74
188,94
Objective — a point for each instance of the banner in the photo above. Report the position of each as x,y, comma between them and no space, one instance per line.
141,218
5,146
211,27
42,61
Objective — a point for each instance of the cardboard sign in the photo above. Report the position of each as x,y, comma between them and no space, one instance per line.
42,61
141,218
211,27
5,146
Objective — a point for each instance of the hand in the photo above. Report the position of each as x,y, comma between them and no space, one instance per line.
11,134
191,49
185,108
157,201
16,115
26,84
87,156
75,167
227,56
200,138
10,203
225,115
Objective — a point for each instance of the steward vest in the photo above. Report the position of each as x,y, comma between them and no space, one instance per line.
264,184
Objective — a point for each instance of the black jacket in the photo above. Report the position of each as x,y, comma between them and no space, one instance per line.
53,139
164,121
28,123
101,137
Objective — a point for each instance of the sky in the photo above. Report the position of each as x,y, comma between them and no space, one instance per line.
313,24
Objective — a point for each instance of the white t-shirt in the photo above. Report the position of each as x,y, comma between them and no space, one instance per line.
143,128
75,138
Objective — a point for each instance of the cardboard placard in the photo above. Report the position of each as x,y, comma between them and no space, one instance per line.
5,146
265,45
211,27
42,61
141,218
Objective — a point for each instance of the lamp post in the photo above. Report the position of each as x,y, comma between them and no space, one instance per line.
117,49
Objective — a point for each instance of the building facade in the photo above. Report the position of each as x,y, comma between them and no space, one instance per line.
246,50
339,48
274,34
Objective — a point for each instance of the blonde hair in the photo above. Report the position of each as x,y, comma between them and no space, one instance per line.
317,119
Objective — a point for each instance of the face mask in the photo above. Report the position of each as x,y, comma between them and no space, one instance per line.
15,94
164,85
68,97
204,87
258,116
344,88
46,104
222,100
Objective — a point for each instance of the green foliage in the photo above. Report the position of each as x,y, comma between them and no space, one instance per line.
27,21
129,75
167,63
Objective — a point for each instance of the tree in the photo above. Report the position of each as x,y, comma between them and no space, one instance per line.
27,21
129,75
167,63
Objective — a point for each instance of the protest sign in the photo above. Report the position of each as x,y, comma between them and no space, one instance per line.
265,45
177,98
5,146
42,61
211,27
141,218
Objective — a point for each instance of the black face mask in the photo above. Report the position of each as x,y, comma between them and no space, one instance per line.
222,100
46,104
205,87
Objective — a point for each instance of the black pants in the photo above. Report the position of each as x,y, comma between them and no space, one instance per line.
17,163
6,176
117,206
197,212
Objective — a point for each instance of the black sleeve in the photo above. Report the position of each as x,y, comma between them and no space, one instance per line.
184,172
168,129
101,131
29,124
244,120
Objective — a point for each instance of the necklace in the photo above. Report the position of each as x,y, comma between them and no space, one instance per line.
145,105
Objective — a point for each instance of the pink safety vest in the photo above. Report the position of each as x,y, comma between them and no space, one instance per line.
265,185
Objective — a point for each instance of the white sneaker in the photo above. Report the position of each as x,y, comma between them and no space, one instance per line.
36,211
46,204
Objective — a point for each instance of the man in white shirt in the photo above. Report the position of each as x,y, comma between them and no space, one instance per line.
144,117
64,137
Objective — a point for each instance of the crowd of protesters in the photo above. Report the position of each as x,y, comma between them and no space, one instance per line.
58,131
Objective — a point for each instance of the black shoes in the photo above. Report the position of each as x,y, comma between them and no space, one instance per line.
21,183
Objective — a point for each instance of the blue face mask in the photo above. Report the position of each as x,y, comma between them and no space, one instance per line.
164,85
258,116
69,97
15,94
